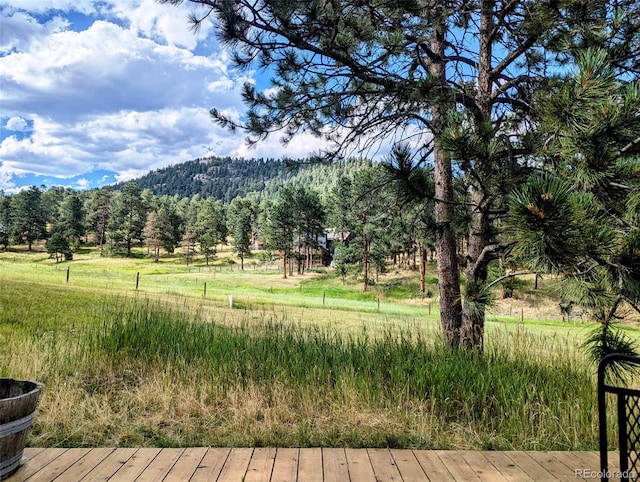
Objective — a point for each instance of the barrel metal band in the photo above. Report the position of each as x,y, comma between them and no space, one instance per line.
10,465
16,425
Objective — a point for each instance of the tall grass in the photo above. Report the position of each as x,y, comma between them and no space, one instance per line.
436,397
280,368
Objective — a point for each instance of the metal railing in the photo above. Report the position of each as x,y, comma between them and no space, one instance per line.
628,416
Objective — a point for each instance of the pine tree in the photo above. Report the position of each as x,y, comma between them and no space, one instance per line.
72,218
28,216
310,220
158,232
455,78
241,220
127,219
99,212
5,219
580,219
280,225
58,244
361,210
211,227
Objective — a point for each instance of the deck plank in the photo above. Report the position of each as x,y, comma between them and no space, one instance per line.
211,465
409,467
36,464
236,465
507,467
433,466
589,460
160,466
261,465
86,464
135,466
579,465
58,465
384,466
186,465
310,465
360,469
589,463
334,465
285,467
482,466
110,465
31,452
459,468
530,467
198,464
559,470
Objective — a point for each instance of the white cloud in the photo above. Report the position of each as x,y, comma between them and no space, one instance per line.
162,23
17,124
20,30
124,98
43,6
7,183
129,174
104,69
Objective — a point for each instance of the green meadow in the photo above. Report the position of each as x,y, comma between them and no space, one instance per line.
214,356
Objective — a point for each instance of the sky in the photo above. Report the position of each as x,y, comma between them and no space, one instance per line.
94,92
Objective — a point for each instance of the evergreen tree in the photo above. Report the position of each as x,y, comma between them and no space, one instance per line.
455,78
189,208
5,219
242,215
28,216
363,212
158,232
127,219
58,244
72,218
99,212
580,218
170,205
280,225
52,200
211,227
310,219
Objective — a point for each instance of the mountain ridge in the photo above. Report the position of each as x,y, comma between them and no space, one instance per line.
225,178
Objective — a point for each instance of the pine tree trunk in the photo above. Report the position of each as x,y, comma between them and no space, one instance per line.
423,268
366,262
102,236
446,254
473,315
473,311
284,264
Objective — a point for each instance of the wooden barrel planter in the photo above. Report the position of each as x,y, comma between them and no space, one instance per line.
18,401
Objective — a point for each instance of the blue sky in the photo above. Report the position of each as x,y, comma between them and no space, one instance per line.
98,91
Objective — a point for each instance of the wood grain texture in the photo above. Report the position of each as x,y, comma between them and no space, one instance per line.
197,464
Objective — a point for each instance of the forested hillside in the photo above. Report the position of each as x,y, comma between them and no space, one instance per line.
226,178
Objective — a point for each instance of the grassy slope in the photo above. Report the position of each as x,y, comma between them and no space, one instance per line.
60,333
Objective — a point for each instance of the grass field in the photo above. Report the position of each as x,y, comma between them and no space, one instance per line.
305,361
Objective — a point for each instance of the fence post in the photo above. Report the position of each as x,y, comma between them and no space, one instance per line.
205,289
137,279
68,268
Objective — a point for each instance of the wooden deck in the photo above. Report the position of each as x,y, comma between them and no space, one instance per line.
291,464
